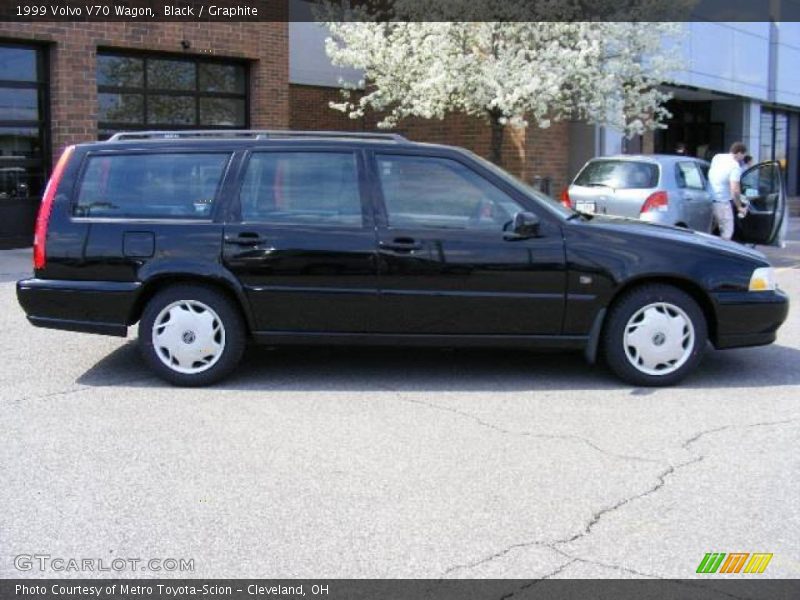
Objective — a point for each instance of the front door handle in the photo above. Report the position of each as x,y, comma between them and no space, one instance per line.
245,238
401,245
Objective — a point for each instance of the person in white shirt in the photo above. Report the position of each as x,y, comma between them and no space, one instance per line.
724,176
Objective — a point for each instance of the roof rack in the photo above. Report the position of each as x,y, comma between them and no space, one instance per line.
258,134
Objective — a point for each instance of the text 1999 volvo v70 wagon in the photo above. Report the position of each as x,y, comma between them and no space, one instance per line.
209,240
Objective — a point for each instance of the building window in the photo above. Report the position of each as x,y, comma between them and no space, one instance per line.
24,128
137,91
774,138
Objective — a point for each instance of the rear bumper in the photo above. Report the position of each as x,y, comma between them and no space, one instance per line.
87,306
749,318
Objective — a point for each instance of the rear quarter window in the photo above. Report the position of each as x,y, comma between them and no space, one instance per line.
150,186
619,174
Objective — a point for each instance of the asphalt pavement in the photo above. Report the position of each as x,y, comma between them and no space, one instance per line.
395,462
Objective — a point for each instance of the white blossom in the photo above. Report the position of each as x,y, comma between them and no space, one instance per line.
511,72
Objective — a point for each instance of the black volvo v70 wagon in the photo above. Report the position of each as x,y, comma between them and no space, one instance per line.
211,239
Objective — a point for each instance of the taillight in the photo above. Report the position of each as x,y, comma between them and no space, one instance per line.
565,200
43,218
657,201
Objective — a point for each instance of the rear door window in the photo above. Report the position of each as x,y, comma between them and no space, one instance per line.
619,174
151,186
302,188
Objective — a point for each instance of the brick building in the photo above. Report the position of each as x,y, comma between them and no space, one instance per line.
64,83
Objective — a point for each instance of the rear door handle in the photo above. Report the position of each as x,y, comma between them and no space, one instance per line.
245,238
401,245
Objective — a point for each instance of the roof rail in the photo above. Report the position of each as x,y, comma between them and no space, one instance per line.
259,134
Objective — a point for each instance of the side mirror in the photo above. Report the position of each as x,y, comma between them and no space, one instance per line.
524,225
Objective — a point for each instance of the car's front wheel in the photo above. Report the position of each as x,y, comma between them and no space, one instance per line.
191,335
655,335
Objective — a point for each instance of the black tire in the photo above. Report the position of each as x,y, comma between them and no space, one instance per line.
626,307
233,337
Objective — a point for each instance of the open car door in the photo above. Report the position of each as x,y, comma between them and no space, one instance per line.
767,218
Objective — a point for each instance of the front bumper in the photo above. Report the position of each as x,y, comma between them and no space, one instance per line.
87,306
749,318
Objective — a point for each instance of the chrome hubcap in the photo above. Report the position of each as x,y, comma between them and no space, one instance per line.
659,339
188,337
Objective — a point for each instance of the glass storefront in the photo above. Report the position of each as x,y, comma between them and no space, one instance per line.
139,91
774,136
23,140
692,126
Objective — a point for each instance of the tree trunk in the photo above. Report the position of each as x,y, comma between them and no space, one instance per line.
498,130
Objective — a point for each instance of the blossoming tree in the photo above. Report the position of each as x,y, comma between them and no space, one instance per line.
511,73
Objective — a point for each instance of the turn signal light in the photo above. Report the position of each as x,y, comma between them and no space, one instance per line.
763,280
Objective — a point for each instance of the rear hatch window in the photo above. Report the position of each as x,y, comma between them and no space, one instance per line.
619,174
146,186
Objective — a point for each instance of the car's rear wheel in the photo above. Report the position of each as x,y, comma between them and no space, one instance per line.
655,336
191,335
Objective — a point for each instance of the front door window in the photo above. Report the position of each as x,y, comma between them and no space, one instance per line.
765,222
439,193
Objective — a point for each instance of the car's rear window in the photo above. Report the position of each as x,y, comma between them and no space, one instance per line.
619,174
143,186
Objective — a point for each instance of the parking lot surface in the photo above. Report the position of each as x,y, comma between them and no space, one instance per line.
396,462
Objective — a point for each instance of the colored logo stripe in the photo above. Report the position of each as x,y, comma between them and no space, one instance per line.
734,562
711,562
758,562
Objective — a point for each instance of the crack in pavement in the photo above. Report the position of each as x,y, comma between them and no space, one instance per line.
598,515
560,569
495,556
593,521
662,481
78,389
528,434
597,563
702,434
530,584
67,392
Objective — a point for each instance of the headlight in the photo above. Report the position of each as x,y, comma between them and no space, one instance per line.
762,280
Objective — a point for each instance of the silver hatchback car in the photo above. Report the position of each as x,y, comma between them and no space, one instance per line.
659,188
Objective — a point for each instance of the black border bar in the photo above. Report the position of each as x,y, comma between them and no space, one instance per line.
149,11
709,588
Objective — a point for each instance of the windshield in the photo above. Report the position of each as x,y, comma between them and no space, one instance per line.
549,203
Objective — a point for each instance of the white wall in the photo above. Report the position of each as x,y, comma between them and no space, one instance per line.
787,88
308,62
726,57
733,58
